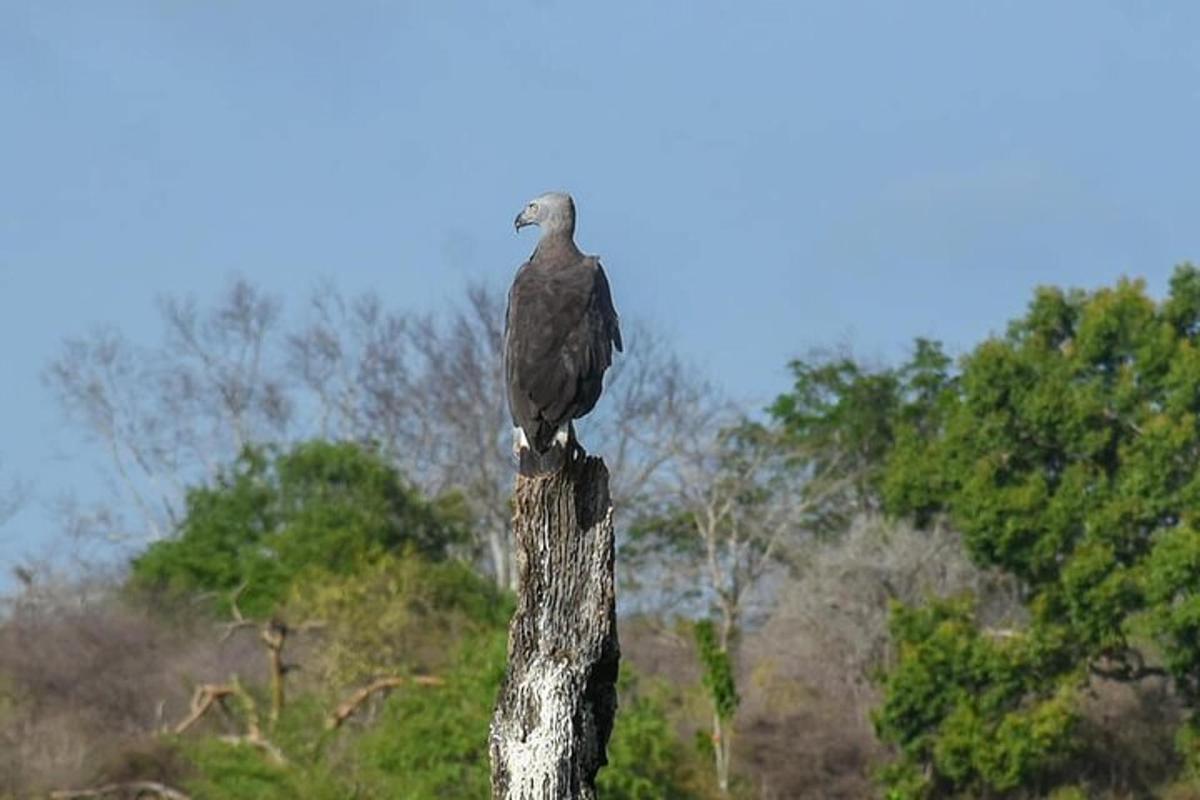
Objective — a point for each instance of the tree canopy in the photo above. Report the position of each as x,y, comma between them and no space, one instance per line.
1066,454
275,515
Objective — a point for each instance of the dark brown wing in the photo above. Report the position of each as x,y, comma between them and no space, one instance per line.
561,328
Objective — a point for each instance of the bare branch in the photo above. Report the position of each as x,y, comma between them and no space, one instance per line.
208,696
239,621
169,415
350,705
129,789
203,699
273,753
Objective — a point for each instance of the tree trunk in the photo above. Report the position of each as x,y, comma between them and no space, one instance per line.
721,753
556,707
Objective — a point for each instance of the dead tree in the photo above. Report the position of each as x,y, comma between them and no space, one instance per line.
556,706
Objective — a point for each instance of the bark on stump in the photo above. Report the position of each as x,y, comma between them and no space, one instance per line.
556,707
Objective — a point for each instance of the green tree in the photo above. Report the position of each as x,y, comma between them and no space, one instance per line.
395,614
846,417
971,711
737,508
432,743
272,516
645,758
1067,456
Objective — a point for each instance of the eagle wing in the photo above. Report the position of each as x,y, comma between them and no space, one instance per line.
561,327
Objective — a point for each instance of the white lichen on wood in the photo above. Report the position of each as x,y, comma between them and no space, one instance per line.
556,708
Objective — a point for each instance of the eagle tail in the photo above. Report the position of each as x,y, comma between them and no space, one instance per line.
561,448
533,464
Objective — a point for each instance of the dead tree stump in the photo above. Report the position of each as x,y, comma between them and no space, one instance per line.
556,707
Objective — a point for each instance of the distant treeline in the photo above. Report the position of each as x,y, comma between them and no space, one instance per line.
972,577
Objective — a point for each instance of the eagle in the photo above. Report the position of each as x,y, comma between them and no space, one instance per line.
560,332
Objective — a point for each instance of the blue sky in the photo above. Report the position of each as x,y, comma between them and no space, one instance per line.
759,178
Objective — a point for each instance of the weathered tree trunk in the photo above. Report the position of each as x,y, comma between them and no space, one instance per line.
556,707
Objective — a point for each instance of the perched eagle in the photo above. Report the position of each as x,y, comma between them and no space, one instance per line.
560,331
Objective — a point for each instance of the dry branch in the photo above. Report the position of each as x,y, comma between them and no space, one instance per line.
131,789
203,698
209,694
347,708
556,707
273,634
238,621
273,753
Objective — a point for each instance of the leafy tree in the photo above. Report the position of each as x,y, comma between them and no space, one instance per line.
1067,456
227,772
272,516
718,670
432,743
971,712
735,509
645,758
422,742
395,614
846,418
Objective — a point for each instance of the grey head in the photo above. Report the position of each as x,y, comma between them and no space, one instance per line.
553,212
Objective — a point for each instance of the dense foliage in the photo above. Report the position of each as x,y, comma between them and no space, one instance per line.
1066,454
272,516
330,532
846,417
930,580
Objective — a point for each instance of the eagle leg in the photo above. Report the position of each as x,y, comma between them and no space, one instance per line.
574,450
520,441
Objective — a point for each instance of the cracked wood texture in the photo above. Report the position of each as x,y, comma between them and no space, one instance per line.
556,706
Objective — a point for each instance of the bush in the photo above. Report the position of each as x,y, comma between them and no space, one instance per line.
396,614
272,516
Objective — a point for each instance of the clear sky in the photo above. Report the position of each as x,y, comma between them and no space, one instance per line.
759,177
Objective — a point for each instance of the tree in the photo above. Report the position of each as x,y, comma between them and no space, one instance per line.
169,416
851,415
430,390
391,614
427,390
830,626
734,505
12,497
273,516
972,712
555,710
1067,456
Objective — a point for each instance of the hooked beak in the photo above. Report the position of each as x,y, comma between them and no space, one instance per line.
521,221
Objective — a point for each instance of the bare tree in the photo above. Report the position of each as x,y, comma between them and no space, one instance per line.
735,502
427,389
105,384
653,403
430,390
13,494
218,370
462,377
557,703
804,725
833,618
170,415
353,359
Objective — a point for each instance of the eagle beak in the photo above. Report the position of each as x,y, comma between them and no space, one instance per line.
525,218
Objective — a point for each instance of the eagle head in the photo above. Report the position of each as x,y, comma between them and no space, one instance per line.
553,212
